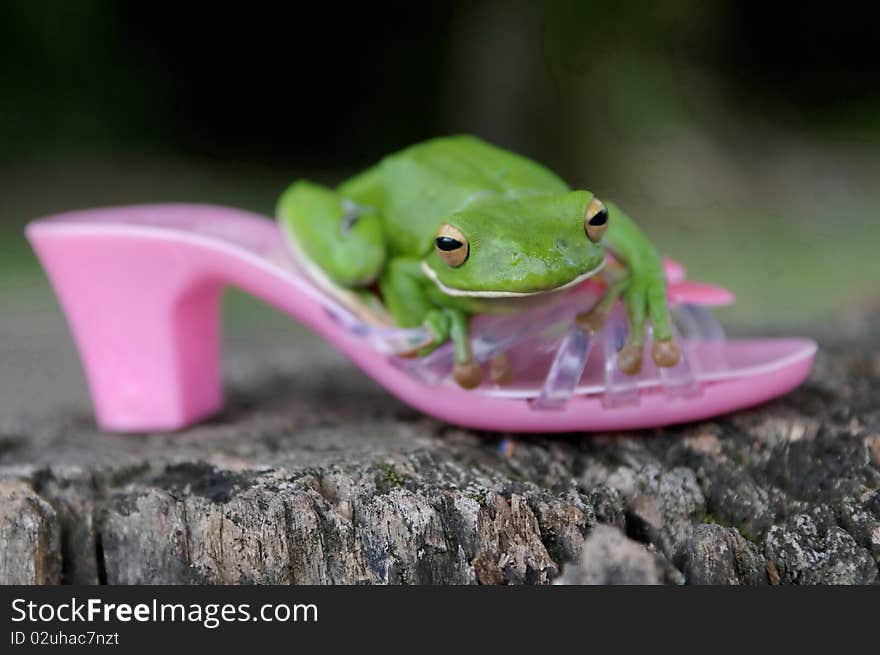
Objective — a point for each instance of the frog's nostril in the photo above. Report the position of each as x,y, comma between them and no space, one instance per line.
561,244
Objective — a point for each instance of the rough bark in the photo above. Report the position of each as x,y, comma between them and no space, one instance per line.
309,480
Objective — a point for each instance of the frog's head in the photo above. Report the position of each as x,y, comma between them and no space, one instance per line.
509,247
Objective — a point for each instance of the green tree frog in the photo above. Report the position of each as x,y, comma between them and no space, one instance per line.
455,226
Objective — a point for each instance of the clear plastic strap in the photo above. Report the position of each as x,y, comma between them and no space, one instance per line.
386,340
434,367
566,370
678,381
393,341
437,366
499,335
699,325
507,331
621,390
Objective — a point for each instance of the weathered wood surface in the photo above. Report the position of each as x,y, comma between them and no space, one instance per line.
320,477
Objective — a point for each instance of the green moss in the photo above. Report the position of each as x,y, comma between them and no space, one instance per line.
389,479
715,520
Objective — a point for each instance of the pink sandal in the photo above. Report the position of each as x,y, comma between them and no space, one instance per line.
141,288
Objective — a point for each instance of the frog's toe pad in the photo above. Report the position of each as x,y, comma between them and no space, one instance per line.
629,359
467,374
666,353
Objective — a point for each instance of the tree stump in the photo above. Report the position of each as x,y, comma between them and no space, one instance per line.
316,476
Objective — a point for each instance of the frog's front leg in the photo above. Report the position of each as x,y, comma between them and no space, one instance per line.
665,351
629,359
644,296
405,293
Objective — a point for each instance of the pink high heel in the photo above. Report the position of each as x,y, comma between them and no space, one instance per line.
141,287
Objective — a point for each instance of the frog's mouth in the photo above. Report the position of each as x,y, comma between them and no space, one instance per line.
452,291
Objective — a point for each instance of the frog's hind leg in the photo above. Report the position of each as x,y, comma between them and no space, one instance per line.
337,244
366,188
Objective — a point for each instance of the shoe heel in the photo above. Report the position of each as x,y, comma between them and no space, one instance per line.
145,318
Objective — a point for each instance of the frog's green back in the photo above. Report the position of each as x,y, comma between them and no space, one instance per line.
417,188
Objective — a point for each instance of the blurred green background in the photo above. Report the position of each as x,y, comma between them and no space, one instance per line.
744,137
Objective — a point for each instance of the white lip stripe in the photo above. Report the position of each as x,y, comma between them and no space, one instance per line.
431,273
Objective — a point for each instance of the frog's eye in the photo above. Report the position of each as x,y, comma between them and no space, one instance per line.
451,245
596,220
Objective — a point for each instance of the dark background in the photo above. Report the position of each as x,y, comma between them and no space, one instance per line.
288,84
744,137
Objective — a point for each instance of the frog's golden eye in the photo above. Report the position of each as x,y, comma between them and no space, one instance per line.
596,220
451,245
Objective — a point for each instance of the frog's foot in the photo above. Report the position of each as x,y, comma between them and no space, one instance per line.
467,374
666,352
629,358
500,370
